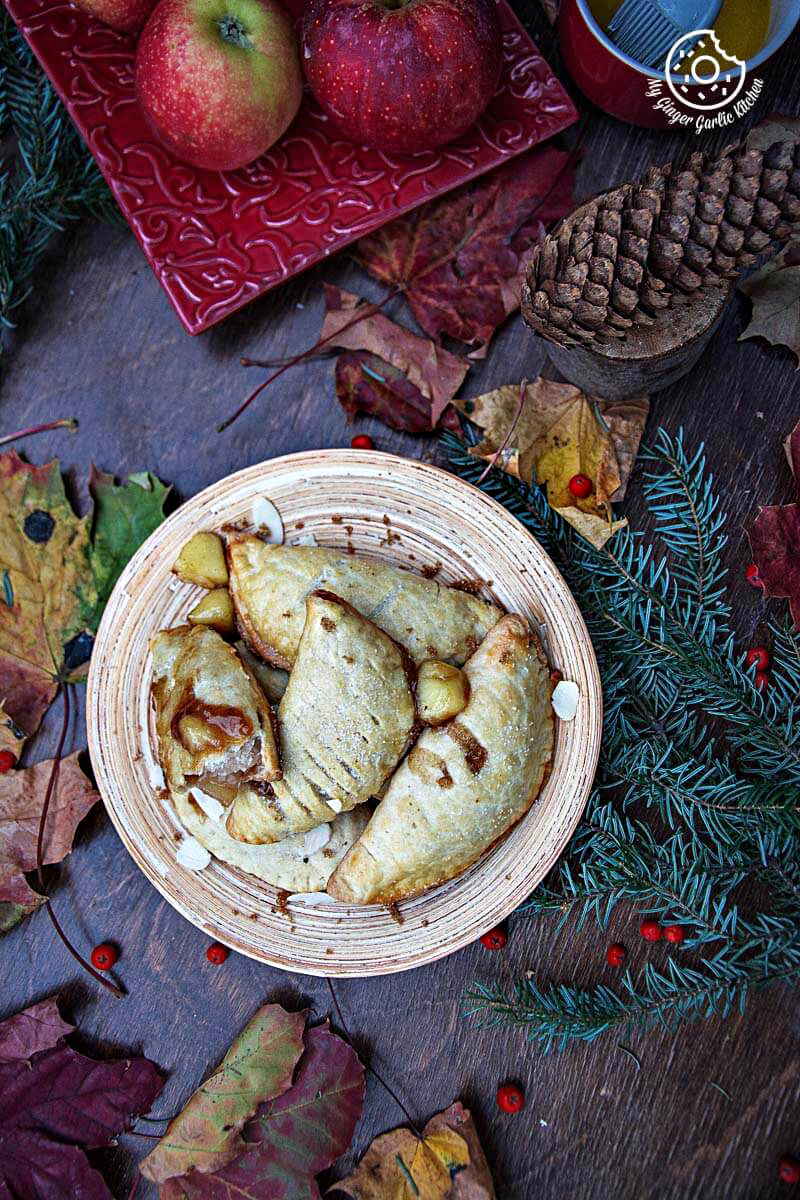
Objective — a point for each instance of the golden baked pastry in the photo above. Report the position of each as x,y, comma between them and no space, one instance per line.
212,719
345,720
466,783
301,863
269,585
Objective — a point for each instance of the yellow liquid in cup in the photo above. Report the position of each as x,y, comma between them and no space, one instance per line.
741,25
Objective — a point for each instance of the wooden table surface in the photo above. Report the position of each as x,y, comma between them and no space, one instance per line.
100,342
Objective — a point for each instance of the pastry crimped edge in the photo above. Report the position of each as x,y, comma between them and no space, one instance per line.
345,896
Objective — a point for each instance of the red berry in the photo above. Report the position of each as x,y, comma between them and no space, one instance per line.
616,955
510,1098
758,656
362,441
752,576
494,939
762,680
674,934
7,761
789,1169
104,956
217,953
580,486
650,931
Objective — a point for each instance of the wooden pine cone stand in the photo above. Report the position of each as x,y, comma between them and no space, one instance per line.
630,287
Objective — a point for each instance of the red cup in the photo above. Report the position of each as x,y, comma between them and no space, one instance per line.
621,86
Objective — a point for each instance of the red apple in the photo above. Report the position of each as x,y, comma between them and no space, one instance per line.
218,80
127,16
402,75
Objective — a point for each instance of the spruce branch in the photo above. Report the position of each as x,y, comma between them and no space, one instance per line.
48,180
696,814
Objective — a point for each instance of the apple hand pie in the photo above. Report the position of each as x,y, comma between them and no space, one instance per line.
345,720
212,719
269,585
466,783
302,863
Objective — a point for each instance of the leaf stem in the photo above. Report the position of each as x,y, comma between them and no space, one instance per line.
372,1070
517,414
70,423
368,310
51,786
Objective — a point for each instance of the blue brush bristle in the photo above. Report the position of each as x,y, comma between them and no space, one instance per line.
646,30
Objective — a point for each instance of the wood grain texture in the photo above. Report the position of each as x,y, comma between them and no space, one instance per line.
391,510
101,343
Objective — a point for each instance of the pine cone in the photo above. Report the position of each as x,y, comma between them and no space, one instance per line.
627,254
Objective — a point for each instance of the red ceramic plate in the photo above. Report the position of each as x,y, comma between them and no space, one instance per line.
218,239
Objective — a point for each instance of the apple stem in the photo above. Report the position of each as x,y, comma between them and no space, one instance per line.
233,31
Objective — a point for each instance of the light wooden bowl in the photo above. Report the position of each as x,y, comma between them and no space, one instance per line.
398,511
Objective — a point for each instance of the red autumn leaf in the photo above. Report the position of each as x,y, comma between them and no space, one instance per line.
22,795
435,372
294,1137
775,542
460,260
37,1028
56,1103
367,384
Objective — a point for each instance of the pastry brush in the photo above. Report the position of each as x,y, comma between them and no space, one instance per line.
647,29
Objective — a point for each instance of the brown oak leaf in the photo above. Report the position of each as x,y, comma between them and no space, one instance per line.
22,794
460,260
561,432
367,384
446,1163
435,372
775,295
259,1065
775,542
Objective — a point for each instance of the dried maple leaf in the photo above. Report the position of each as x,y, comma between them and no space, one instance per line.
22,795
56,571
460,261
775,294
124,516
294,1137
11,736
45,585
56,1103
435,372
259,1066
37,1028
446,1163
562,432
775,542
367,384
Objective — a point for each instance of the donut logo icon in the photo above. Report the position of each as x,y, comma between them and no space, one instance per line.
701,74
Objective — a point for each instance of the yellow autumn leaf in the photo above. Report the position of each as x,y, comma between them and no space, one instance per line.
561,432
11,736
594,528
445,1163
